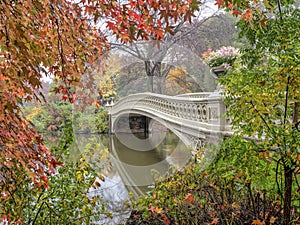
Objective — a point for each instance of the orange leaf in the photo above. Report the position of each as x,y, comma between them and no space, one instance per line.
239,175
215,221
158,210
189,198
97,103
257,222
247,15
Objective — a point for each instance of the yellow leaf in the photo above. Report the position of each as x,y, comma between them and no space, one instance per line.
158,210
79,176
101,177
272,220
214,186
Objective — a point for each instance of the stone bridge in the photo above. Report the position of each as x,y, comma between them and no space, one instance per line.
196,118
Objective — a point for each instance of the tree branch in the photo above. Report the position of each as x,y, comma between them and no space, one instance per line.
36,216
286,100
276,178
262,118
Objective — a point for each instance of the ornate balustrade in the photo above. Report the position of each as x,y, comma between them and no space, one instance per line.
196,95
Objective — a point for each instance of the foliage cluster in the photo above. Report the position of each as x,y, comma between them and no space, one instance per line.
177,81
262,93
237,188
65,201
52,117
91,120
49,117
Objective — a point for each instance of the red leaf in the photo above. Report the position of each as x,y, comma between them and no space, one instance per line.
235,13
220,3
5,133
152,209
73,98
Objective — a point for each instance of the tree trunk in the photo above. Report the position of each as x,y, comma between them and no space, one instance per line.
149,73
160,85
150,84
288,181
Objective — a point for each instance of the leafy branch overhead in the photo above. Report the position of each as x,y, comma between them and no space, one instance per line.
58,38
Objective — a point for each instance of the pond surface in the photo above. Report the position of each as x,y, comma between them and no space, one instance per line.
129,163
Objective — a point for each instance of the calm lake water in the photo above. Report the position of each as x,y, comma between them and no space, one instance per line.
129,163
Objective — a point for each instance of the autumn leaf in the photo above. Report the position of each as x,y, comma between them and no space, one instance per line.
156,209
263,22
152,209
220,3
239,175
189,198
101,177
272,220
247,15
235,13
167,221
215,221
97,184
257,222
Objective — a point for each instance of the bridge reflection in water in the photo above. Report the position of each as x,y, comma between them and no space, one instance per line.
133,170
139,159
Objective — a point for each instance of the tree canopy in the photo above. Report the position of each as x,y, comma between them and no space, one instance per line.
262,92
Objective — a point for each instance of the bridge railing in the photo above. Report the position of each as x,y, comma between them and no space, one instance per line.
198,108
196,95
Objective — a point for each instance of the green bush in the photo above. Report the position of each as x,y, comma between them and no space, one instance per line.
52,117
91,120
237,188
65,201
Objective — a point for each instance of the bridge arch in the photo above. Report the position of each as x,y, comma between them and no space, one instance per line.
196,117
150,119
